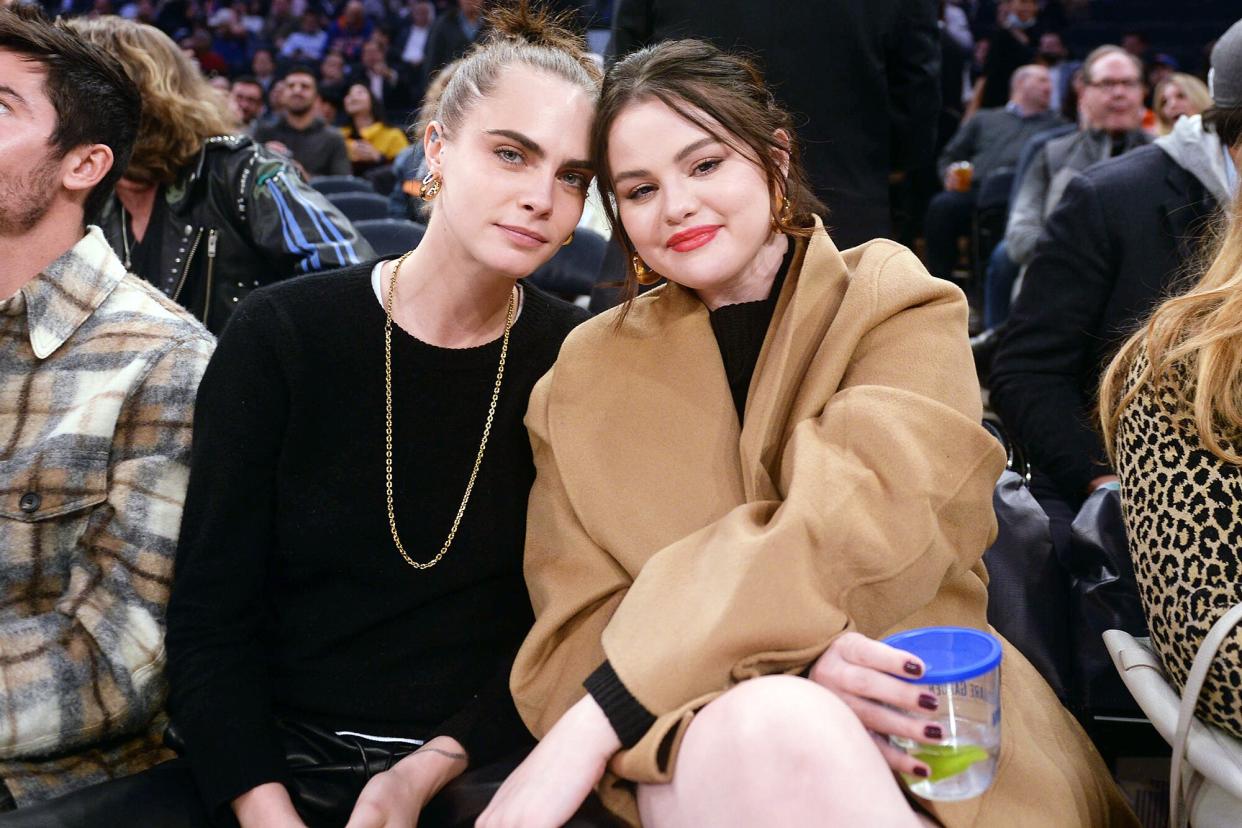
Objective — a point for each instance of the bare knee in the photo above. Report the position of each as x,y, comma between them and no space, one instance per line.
783,720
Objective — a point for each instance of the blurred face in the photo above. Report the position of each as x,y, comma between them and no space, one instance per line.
1113,97
276,97
1050,46
372,54
696,210
299,93
262,65
357,100
246,100
354,13
1174,102
219,82
1024,9
470,8
332,68
422,15
1034,91
30,167
515,171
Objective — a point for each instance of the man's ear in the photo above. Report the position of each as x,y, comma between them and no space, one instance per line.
781,138
433,146
84,167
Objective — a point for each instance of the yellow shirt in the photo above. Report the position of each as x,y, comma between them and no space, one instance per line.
387,139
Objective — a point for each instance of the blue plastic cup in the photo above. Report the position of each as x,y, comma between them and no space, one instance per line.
962,669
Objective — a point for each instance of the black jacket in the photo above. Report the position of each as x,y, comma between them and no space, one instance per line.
237,218
1114,246
861,77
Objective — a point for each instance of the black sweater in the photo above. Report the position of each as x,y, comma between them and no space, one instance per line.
290,599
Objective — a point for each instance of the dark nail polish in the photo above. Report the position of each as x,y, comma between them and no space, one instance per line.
928,702
919,770
933,732
913,668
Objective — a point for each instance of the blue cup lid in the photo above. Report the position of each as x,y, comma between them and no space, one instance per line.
949,654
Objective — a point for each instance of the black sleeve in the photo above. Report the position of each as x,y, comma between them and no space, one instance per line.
1046,348
488,726
913,67
631,27
219,694
625,713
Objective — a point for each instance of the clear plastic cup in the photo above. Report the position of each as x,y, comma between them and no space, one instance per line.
962,669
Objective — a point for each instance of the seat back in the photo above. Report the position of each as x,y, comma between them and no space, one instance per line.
328,184
360,206
391,237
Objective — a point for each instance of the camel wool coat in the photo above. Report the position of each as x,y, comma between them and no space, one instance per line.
694,555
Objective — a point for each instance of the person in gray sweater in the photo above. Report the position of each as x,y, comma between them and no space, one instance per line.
990,141
1112,110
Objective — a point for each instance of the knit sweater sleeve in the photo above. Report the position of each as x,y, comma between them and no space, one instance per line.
219,688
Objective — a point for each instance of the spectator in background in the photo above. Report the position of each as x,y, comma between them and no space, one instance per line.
205,215
350,31
452,34
333,70
1053,54
246,103
1119,241
1137,44
230,40
369,141
279,23
412,41
307,43
198,46
263,69
1012,44
990,141
300,132
97,385
382,81
1180,94
877,60
1112,105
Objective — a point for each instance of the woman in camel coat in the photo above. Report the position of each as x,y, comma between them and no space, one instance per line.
701,535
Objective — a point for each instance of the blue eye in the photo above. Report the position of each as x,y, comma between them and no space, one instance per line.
509,155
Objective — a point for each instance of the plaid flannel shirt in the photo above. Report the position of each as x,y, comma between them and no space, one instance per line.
98,373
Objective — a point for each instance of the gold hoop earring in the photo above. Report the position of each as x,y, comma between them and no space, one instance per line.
786,215
643,274
430,188
569,240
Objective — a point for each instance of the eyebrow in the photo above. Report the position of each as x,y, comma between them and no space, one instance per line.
10,92
530,145
678,158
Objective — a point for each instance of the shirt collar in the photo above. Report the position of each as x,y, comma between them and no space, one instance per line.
69,290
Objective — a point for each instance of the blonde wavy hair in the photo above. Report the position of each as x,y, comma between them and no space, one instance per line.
1193,88
180,110
1193,349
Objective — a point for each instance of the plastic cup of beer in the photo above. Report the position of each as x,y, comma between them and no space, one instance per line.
962,670
961,175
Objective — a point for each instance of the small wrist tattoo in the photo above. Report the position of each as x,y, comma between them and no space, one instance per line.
460,757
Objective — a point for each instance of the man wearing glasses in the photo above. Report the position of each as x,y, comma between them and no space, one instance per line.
1112,112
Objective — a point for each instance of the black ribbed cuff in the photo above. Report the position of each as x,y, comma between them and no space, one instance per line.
625,713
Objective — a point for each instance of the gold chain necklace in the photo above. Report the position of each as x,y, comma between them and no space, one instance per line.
487,426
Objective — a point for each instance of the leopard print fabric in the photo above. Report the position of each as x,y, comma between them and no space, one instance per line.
1183,514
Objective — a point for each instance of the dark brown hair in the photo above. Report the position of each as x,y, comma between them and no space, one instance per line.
95,101
1226,122
724,95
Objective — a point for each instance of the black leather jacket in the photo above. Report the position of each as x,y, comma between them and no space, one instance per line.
238,218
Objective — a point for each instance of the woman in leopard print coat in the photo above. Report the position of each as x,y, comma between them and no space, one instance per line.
1171,410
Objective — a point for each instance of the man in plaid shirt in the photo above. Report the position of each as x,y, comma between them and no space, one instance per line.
98,372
